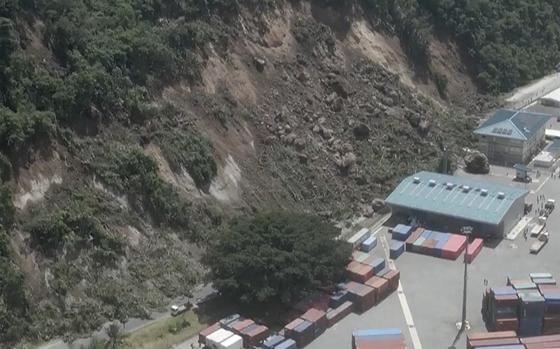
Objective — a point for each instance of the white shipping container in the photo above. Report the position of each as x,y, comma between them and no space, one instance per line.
233,342
213,341
359,237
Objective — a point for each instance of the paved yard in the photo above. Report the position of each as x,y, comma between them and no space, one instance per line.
433,287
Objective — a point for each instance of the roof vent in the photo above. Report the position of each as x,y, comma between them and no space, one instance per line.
449,185
501,195
466,189
483,192
432,183
416,180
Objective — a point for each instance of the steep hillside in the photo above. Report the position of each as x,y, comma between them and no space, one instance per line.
131,130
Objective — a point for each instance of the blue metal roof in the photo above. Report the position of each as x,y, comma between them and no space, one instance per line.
513,124
460,197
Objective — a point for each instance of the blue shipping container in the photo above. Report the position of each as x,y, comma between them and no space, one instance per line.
369,244
378,265
273,341
338,299
287,344
376,332
397,248
503,291
304,327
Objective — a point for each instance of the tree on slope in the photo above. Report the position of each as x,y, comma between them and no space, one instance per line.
276,256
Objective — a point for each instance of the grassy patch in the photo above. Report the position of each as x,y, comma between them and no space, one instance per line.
165,333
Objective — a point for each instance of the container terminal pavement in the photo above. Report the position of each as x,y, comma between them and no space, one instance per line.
372,279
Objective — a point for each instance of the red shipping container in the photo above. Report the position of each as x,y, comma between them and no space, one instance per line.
241,325
381,287
473,249
255,335
317,317
540,339
289,328
412,238
428,246
393,277
208,331
507,324
491,342
362,296
359,272
454,246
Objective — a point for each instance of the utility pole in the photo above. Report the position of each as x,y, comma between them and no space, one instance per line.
468,233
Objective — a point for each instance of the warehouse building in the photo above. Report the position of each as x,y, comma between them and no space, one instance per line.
512,137
448,203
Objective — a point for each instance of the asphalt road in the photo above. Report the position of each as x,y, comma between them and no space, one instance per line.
433,287
133,324
525,95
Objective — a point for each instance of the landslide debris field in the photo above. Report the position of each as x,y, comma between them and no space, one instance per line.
131,132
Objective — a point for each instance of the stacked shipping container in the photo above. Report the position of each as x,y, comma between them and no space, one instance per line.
432,243
530,306
509,340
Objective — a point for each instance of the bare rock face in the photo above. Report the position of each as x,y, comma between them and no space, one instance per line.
477,162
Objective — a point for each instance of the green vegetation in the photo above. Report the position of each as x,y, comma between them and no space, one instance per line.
165,333
131,172
13,299
276,256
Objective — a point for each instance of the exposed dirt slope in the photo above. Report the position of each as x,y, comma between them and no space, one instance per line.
307,111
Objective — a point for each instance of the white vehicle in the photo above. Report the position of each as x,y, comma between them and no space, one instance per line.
178,309
537,246
550,203
539,226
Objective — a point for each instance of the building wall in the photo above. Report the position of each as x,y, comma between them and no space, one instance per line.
446,223
508,152
515,213
534,145
501,151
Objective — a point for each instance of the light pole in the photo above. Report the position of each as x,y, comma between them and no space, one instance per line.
467,231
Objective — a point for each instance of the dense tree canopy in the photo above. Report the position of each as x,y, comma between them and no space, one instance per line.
276,256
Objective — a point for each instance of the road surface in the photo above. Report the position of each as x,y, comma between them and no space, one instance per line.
525,95
134,324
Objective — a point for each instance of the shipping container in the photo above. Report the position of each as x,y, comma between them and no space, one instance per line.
335,315
272,341
473,249
287,344
360,256
401,232
338,299
208,331
239,326
213,340
229,319
369,244
253,335
396,249
412,238
359,237
359,272
318,318
233,342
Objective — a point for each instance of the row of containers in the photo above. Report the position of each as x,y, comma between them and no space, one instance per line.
387,338
510,340
233,332
432,243
528,305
